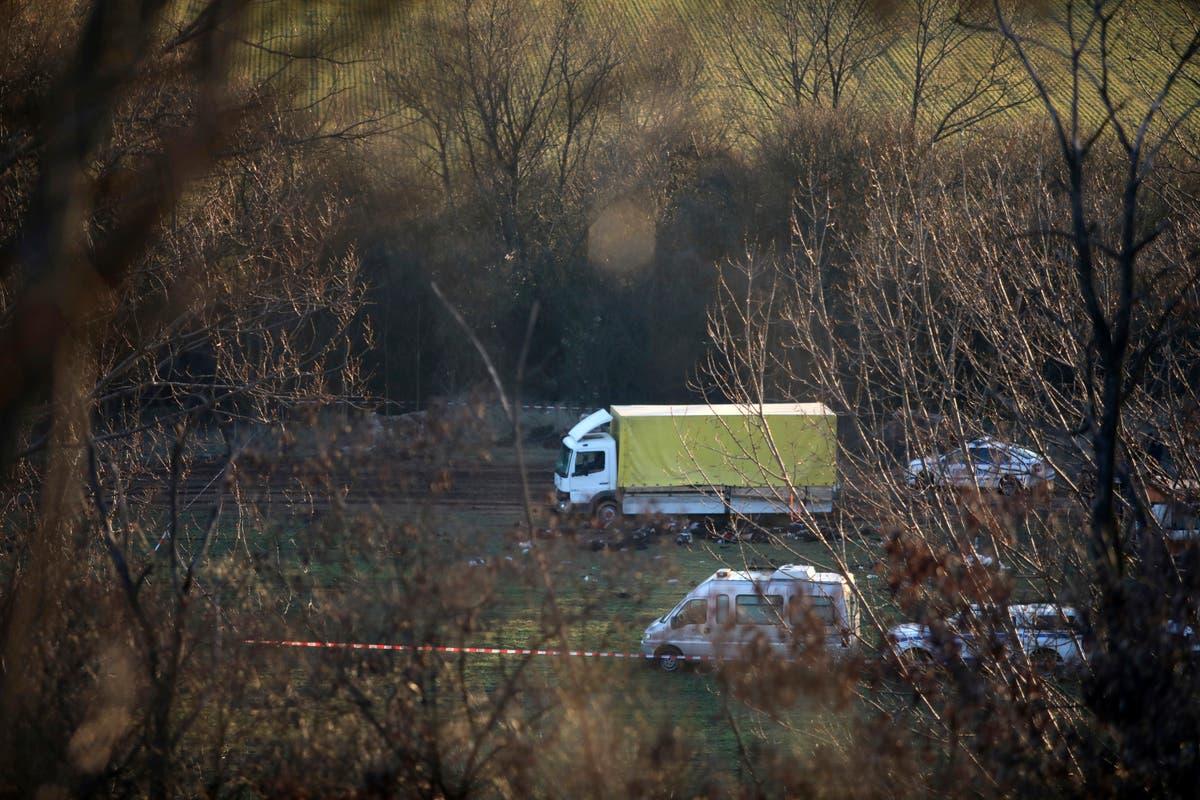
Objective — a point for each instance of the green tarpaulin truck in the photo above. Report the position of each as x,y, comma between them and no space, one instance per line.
775,458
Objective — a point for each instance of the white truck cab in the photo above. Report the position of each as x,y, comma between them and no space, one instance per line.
735,613
586,470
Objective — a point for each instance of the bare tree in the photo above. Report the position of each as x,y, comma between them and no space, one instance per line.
950,86
171,279
516,91
1111,253
791,53
426,91
970,308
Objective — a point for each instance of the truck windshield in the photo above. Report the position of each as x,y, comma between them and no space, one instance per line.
563,465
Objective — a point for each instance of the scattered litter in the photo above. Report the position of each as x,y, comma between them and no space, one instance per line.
672,580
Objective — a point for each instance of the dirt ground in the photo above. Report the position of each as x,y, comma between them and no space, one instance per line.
362,478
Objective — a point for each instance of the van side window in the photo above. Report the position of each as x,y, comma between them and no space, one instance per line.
722,609
825,610
695,612
758,609
818,606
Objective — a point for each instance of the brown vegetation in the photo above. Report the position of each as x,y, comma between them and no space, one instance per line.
210,278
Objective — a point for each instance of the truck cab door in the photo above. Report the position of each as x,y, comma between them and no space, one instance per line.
591,473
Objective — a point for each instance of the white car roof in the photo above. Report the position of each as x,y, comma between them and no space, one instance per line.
1023,611
1041,610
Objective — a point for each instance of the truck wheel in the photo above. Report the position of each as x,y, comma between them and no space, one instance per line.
607,514
668,658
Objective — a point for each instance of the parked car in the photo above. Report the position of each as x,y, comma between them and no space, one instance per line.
1047,633
986,463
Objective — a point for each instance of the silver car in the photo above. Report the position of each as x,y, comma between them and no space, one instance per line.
985,463
1046,633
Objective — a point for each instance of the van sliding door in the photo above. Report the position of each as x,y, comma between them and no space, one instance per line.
760,624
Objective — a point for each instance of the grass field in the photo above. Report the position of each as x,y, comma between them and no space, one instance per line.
362,39
357,570
609,596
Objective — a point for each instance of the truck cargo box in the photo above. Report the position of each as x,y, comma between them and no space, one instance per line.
726,445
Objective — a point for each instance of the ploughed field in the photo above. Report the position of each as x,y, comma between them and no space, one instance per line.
364,481
483,482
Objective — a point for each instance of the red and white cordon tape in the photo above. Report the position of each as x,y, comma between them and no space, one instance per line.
490,651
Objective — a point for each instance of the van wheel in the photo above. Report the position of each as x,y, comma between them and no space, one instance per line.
1009,485
669,658
607,514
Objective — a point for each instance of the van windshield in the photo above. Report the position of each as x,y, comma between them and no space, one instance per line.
563,465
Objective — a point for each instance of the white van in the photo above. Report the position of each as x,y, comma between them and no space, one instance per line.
733,611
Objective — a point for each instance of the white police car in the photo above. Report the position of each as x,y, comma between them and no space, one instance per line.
986,463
